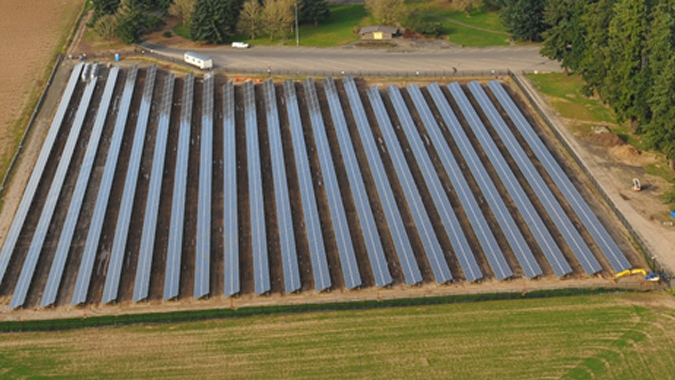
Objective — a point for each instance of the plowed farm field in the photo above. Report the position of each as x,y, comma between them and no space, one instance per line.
31,32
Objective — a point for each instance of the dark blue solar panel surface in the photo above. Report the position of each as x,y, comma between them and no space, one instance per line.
112,280
378,261
597,230
532,219
350,269
49,207
430,242
398,232
36,175
449,219
453,229
231,226
317,249
203,247
94,235
283,206
66,237
550,203
175,248
261,272
504,219
147,247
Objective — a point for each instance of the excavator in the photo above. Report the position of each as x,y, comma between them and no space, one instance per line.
648,276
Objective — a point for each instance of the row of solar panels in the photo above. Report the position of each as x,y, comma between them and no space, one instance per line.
426,140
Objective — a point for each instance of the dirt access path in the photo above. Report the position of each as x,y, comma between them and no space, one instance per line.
613,170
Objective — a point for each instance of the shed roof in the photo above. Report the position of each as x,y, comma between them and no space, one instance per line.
378,28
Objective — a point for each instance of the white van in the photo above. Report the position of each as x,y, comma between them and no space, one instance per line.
201,61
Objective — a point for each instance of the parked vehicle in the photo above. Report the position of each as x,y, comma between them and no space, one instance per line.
240,45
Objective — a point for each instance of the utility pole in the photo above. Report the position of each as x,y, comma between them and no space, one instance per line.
297,30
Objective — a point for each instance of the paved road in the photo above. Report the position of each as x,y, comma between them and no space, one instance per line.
351,59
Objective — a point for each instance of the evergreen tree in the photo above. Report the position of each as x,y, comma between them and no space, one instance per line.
565,40
627,81
595,61
660,132
524,18
209,21
104,7
132,21
314,11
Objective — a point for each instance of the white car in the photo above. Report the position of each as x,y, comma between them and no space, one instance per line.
240,45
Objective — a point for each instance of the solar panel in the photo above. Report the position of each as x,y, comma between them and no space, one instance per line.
600,235
203,248
502,215
477,220
29,264
112,280
317,249
66,236
548,201
175,248
36,175
231,227
283,206
449,219
350,269
531,217
96,224
371,236
144,267
430,242
255,194
398,232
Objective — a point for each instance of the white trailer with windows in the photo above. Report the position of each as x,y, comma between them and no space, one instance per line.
201,61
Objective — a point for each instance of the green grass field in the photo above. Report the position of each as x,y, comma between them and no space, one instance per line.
613,336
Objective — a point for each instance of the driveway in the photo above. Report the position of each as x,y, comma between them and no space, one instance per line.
353,59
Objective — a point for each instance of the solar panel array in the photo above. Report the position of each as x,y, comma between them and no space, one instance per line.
392,214
68,230
36,175
378,261
350,269
600,235
26,276
317,249
548,200
255,193
203,248
175,248
281,196
432,247
230,209
96,225
119,246
502,215
144,266
534,222
371,135
452,169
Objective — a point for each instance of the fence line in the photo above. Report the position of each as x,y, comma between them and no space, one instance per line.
37,109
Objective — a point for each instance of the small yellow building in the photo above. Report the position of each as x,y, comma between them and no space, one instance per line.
378,32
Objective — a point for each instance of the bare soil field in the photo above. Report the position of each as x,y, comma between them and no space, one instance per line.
31,32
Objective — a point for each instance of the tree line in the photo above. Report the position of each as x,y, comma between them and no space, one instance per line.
209,21
623,49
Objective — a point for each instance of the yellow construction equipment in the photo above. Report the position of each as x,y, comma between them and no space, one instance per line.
648,276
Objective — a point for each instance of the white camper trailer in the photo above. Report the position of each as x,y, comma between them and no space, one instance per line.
201,61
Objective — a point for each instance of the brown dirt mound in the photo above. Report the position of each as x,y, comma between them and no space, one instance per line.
607,139
625,152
